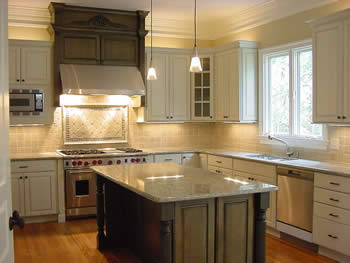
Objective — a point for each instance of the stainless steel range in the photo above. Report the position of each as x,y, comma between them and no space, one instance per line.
80,180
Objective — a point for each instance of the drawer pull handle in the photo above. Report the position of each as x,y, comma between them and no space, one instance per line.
332,183
168,159
219,161
332,236
218,171
331,214
251,178
22,167
334,200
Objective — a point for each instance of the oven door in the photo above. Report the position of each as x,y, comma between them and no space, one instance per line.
22,102
80,189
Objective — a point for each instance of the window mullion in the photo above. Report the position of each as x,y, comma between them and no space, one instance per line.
291,95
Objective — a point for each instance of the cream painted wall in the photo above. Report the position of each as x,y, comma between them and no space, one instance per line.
289,29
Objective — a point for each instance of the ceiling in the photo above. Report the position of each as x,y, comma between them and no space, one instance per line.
216,18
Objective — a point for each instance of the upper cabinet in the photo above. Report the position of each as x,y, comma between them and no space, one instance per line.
168,97
85,35
331,68
202,91
236,82
30,69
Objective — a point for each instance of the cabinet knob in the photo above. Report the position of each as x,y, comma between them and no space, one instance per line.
167,117
344,117
25,177
17,80
21,177
338,117
211,117
22,80
171,117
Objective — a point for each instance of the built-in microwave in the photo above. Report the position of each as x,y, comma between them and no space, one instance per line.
26,101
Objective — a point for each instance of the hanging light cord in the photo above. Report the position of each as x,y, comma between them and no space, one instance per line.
151,30
195,23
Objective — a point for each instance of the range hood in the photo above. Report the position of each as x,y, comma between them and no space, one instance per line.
101,80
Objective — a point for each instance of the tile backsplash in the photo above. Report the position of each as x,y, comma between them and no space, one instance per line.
241,137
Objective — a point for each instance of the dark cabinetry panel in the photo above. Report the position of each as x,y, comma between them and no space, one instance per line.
80,48
119,50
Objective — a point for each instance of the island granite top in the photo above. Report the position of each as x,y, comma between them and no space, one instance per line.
170,182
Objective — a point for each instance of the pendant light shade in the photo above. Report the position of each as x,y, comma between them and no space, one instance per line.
195,61
152,74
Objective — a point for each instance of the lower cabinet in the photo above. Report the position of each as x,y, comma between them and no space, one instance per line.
197,222
34,193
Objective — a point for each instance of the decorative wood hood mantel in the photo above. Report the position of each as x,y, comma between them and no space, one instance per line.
96,36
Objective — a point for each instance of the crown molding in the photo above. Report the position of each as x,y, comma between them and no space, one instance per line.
264,12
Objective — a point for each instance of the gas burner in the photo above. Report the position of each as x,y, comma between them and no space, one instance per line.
129,150
81,152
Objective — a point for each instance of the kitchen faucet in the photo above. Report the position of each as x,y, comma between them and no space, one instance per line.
289,153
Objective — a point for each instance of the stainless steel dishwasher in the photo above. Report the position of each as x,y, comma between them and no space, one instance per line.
295,202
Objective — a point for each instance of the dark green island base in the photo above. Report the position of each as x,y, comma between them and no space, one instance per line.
216,229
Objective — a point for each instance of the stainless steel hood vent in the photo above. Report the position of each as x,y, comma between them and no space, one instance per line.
101,80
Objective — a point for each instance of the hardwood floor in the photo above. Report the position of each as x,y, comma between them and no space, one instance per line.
75,241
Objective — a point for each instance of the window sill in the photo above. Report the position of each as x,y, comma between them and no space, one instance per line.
308,143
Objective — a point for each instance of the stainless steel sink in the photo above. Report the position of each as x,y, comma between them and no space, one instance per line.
270,157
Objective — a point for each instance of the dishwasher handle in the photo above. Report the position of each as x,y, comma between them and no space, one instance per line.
297,173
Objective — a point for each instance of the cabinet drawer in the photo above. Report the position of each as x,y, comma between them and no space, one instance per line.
33,166
219,170
331,235
333,182
223,162
332,198
332,213
173,158
255,168
254,177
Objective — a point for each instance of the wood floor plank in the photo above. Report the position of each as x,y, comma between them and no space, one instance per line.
75,242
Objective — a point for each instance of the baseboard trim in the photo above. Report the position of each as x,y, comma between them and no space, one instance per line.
333,255
273,232
40,219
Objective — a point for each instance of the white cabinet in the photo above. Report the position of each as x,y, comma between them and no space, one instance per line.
236,82
34,193
331,68
220,165
30,68
202,91
172,158
28,65
168,97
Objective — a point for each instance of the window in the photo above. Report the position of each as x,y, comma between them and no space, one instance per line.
286,92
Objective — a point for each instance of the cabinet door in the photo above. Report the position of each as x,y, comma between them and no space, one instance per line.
157,90
202,97
40,193
248,85
220,80
328,73
194,231
80,48
17,180
234,229
191,159
35,65
120,51
14,65
173,158
179,96
347,71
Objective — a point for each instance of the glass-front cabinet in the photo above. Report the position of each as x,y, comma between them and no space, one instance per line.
202,91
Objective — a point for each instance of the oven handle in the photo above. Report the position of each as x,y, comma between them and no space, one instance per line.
79,171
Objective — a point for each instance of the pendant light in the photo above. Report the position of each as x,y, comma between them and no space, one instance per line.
151,75
195,61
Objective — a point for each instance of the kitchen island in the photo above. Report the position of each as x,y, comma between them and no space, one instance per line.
168,213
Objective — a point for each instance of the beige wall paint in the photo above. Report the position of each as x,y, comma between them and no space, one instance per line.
285,30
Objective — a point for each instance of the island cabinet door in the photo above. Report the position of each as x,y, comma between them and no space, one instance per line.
234,229
194,231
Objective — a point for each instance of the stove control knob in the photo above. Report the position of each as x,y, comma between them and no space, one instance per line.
94,162
119,161
80,162
86,163
99,162
138,160
132,160
74,163
110,162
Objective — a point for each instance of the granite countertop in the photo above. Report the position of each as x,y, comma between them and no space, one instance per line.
185,183
34,156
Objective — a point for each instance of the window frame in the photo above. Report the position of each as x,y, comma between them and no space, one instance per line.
265,56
